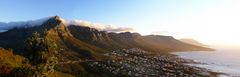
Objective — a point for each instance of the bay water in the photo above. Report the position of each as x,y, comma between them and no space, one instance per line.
222,60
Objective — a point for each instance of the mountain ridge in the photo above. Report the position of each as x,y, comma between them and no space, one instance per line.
86,42
77,47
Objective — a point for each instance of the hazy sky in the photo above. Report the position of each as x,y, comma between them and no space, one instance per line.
209,21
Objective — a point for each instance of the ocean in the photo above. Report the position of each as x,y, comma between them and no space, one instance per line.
222,60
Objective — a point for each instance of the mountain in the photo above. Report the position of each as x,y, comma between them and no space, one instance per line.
69,47
192,41
81,41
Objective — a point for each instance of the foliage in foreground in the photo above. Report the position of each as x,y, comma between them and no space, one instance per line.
41,54
9,61
40,59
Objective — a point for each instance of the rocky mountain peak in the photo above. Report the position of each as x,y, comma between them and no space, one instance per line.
56,17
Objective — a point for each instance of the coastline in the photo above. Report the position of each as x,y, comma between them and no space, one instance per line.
139,63
210,72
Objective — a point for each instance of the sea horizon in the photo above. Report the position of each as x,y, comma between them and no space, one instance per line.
223,60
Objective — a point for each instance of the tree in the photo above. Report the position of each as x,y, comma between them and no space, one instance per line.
41,54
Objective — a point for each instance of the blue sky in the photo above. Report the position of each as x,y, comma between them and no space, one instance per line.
113,11
204,20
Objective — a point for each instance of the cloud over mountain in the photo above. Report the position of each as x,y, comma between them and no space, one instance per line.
9,25
98,26
24,24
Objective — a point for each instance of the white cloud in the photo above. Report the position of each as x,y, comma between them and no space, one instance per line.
31,23
24,24
98,26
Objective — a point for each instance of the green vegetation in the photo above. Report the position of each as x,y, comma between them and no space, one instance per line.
42,52
41,56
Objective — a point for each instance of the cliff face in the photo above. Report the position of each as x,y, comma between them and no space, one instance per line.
76,41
